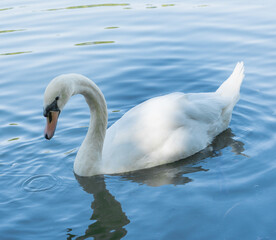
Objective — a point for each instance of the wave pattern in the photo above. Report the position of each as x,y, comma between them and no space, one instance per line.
136,51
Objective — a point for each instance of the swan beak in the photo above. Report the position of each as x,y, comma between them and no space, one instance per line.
51,124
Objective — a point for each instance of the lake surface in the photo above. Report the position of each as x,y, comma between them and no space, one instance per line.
135,51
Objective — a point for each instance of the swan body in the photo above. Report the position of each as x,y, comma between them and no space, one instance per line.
158,131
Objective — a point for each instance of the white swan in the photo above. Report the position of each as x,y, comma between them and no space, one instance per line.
161,130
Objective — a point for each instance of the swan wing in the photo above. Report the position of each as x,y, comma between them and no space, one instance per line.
162,130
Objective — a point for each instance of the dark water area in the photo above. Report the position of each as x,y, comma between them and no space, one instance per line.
133,52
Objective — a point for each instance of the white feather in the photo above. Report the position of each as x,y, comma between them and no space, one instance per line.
161,130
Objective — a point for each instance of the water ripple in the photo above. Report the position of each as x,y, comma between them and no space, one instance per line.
40,183
155,48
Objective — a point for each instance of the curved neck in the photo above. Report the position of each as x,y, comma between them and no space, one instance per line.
90,152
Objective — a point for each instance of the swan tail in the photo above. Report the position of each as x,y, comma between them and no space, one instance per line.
230,89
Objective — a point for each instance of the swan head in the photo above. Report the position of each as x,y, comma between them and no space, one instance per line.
56,95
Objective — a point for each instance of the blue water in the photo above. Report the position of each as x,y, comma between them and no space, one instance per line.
135,51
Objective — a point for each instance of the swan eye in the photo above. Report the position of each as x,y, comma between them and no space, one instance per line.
52,107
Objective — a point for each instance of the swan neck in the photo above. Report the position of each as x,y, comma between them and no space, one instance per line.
90,153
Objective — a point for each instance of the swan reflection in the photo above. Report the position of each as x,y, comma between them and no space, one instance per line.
108,217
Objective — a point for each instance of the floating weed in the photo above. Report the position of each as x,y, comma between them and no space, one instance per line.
168,5
84,44
103,42
111,27
14,53
13,124
99,5
13,139
203,5
54,9
91,6
73,150
94,43
4,9
47,151
10,31
115,111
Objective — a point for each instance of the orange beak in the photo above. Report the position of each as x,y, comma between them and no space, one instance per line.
51,124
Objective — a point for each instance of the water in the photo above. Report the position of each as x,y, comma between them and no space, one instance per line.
135,51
